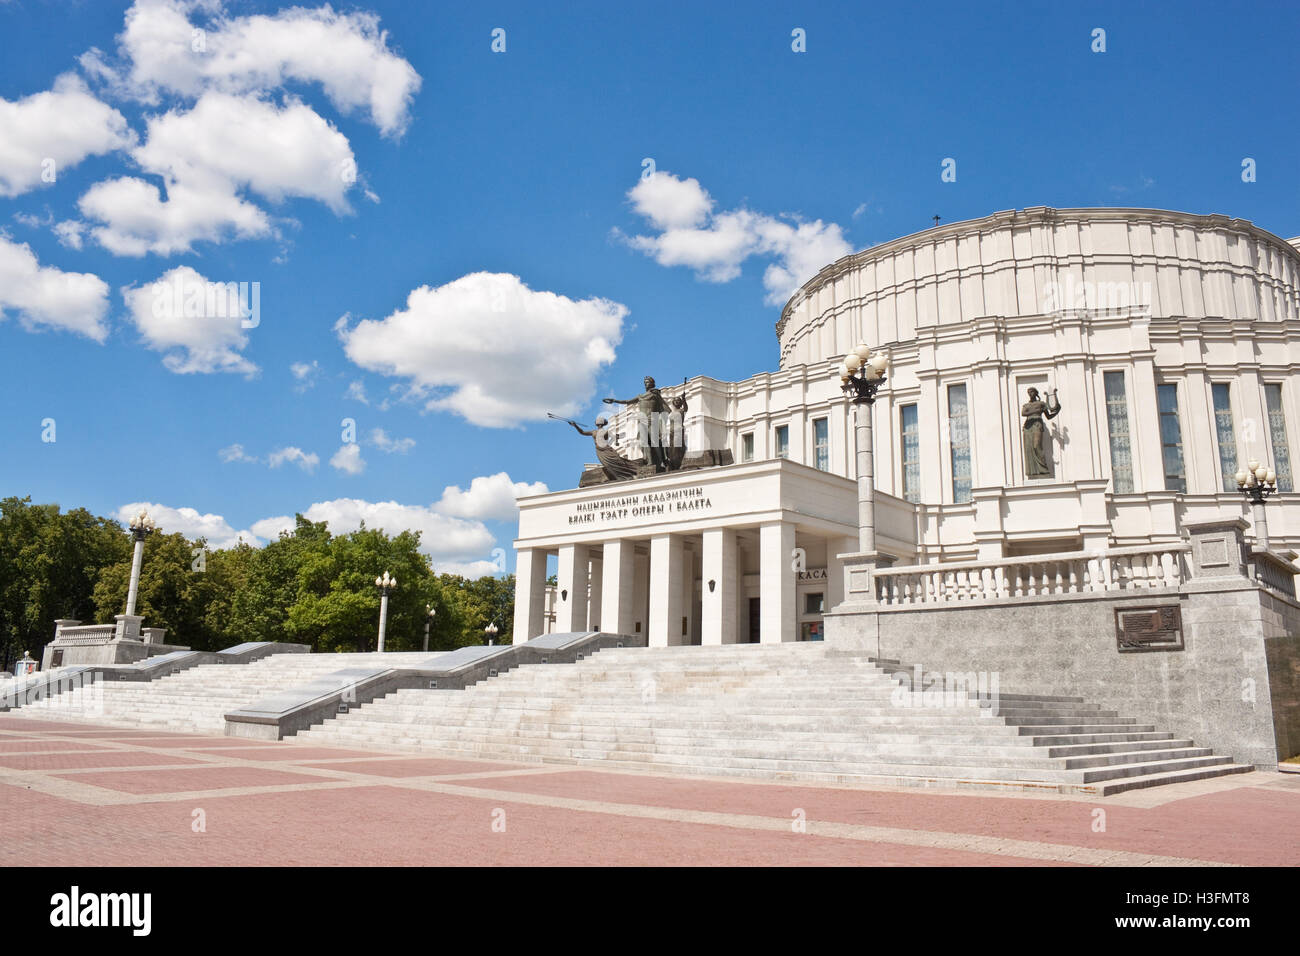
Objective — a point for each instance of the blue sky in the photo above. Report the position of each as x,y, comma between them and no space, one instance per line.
527,166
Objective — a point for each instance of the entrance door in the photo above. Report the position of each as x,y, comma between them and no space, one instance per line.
754,619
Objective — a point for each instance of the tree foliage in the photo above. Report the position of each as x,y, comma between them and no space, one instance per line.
308,587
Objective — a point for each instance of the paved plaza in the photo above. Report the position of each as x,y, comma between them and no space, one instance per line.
97,796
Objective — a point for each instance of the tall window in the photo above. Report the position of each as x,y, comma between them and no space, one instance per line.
911,454
822,444
959,439
747,447
1121,449
782,441
1225,435
1277,436
1171,438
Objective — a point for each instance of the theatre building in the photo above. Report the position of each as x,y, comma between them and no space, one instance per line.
1164,347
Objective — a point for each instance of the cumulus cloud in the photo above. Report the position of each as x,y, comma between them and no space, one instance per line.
44,134
694,234
205,157
347,54
198,324
307,461
489,498
348,459
379,438
304,374
236,452
447,540
465,344
46,297
191,523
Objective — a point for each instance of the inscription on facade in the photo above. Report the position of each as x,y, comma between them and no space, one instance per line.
1149,628
648,506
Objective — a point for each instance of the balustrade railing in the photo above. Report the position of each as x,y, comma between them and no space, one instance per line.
86,634
1273,573
1146,567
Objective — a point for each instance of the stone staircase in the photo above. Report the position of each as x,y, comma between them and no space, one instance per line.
195,700
795,711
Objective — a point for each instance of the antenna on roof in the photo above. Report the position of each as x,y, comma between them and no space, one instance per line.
936,220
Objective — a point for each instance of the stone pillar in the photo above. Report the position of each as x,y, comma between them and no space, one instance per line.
665,590
719,583
866,483
835,549
618,588
571,603
1219,549
594,607
776,583
530,594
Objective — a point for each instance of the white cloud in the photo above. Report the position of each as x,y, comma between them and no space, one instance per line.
304,374
467,341
205,156
307,461
447,540
70,233
379,438
189,522
46,297
346,53
61,127
715,244
197,323
236,453
489,498
348,459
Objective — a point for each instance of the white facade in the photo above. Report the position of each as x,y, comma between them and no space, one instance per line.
1173,341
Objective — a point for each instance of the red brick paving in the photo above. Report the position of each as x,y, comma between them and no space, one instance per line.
105,758
398,823
184,781
11,746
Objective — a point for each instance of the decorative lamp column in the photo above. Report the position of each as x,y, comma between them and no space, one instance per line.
861,376
385,584
1258,484
141,525
491,632
428,620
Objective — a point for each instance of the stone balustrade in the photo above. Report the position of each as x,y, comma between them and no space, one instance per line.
1274,572
1147,567
86,634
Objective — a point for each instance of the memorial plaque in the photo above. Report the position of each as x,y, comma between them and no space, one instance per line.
1149,628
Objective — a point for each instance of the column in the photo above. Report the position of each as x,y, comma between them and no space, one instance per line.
571,602
618,588
718,600
776,583
594,602
530,594
665,590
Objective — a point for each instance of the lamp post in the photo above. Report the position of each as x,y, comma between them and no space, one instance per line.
141,525
428,619
1258,484
491,632
385,584
861,376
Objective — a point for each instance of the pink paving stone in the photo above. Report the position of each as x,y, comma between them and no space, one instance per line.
417,767
369,826
199,778
197,743
1246,825
287,752
22,746
106,758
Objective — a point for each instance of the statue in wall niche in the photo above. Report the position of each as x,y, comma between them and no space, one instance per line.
1034,412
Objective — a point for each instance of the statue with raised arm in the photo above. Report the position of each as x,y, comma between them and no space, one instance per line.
652,423
1034,412
614,465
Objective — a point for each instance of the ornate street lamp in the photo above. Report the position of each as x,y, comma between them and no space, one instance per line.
491,632
428,619
385,584
1258,484
861,375
141,526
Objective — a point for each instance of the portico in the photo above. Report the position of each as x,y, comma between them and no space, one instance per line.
725,555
